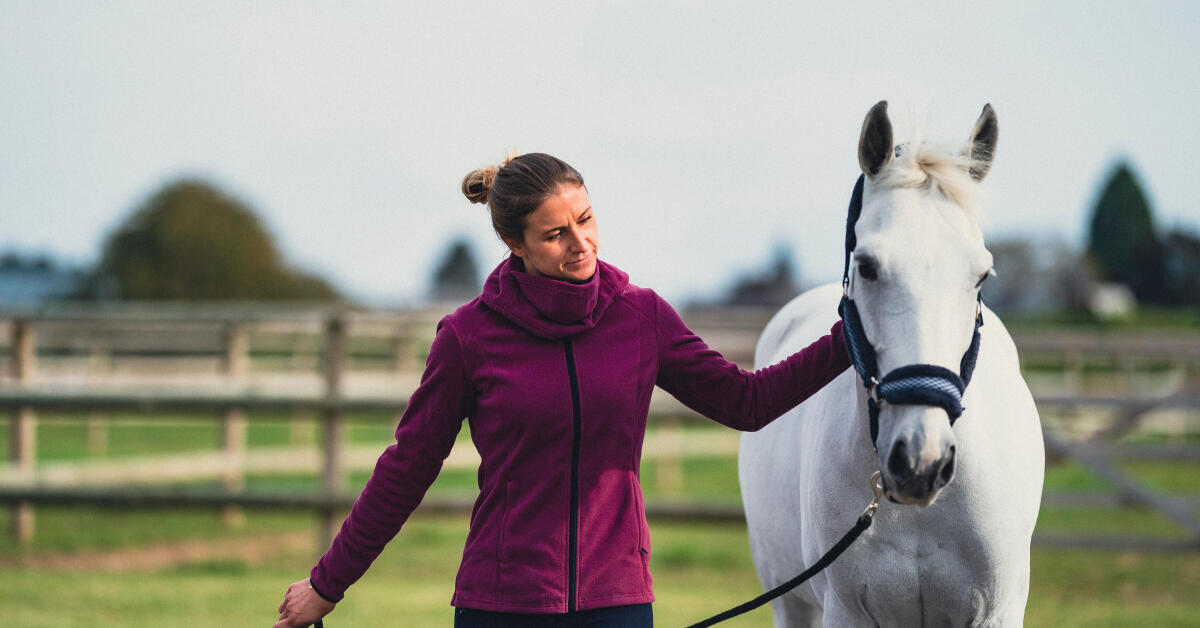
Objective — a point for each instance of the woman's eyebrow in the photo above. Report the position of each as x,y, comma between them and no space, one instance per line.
560,227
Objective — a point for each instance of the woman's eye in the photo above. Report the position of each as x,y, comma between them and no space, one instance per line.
867,270
584,219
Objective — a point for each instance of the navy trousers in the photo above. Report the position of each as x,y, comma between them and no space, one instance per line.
634,616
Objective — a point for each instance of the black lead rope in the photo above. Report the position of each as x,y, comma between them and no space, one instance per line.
864,522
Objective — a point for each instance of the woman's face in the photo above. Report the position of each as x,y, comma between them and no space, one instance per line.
561,237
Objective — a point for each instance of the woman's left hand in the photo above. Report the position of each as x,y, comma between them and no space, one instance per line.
302,606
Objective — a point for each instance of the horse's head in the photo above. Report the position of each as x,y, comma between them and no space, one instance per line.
915,273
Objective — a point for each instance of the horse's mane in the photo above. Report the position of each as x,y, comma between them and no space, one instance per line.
925,165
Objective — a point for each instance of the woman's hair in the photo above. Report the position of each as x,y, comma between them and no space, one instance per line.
516,187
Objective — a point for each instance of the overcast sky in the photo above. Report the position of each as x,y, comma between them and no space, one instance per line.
709,133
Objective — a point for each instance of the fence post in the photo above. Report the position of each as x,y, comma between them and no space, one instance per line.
301,426
1126,365
669,474
100,365
235,364
97,434
333,478
402,346
1074,365
23,436
1177,373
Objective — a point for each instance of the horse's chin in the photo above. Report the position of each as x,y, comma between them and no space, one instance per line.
905,499
912,501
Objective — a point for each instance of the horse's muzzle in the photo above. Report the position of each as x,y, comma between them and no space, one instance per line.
912,482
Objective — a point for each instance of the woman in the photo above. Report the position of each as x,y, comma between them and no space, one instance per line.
553,366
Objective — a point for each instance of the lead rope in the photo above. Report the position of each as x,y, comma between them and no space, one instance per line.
860,526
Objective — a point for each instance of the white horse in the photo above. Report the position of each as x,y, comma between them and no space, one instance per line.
951,547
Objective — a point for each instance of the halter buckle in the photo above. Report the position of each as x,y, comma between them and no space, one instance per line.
846,287
873,389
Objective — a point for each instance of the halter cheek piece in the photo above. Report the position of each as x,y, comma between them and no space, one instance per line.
912,384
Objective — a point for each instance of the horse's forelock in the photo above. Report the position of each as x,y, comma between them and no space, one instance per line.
926,165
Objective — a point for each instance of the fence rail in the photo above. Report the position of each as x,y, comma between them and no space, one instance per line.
226,363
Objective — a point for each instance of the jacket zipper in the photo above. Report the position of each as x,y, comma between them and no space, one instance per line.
576,438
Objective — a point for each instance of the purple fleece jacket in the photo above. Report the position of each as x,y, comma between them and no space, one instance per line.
555,380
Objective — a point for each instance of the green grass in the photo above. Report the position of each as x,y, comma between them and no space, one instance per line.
699,569
90,528
1174,477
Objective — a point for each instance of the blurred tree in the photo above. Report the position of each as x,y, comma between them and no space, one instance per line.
1018,284
1122,244
9,260
12,260
192,242
1073,281
772,287
457,275
1037,274
1181,261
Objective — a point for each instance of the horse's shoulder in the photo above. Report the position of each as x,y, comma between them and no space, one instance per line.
800,321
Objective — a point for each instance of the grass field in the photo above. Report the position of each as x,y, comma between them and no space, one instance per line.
699,569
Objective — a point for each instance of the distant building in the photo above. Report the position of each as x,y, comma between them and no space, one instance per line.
1112,300
33,283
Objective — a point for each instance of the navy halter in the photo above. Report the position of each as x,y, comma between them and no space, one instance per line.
912,384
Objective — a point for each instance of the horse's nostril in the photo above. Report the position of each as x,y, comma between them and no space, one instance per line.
947,472
899,463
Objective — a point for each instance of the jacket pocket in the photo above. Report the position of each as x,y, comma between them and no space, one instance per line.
643,535
502,537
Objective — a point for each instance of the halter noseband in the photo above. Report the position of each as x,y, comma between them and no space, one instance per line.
912,384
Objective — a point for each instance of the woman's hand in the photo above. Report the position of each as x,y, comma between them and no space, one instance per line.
302,606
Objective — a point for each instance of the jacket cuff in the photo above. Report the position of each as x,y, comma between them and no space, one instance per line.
839,345
320,590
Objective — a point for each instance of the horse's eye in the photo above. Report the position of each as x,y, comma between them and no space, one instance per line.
984,276
867,270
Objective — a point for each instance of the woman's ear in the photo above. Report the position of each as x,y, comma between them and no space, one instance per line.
517,248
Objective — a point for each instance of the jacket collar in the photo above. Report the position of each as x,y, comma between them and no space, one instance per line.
551,308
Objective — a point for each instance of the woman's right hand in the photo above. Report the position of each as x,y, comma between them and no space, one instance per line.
302,606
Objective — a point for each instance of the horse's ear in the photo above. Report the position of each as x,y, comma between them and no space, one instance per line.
982,146
875,142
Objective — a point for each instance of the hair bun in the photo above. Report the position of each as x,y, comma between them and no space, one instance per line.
477,184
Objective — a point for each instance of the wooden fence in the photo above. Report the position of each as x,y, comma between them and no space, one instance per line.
227,362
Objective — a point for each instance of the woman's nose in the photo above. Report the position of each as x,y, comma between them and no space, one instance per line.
575,241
